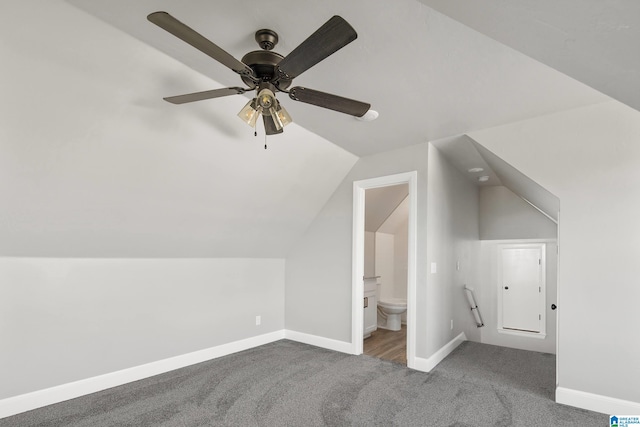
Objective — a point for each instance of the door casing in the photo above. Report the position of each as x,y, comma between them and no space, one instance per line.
357,287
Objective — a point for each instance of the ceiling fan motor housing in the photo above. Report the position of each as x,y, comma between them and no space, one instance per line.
264,63
267,39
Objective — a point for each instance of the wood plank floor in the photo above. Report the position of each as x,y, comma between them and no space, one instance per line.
388,345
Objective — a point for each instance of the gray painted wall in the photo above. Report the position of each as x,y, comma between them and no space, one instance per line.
318,269
504,215
506,218
63,320
589,159
452,229
318,277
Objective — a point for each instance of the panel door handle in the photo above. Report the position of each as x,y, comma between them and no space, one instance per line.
553,306
506,288
366,302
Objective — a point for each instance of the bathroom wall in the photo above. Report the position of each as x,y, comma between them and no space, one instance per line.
369,254
67,319
396,228
394,256
385,264
401,258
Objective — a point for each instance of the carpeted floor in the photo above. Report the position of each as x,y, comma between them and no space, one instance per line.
291,384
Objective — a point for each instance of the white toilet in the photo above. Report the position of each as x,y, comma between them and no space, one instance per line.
393,308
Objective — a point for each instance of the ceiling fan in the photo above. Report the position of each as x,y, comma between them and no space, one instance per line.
268,72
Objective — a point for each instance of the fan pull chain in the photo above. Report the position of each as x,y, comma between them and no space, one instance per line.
255,133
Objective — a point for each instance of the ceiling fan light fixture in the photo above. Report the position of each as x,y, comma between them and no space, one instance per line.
282,114
249,113
266,99
276,120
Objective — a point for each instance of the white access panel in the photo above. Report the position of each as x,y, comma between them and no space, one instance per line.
521,284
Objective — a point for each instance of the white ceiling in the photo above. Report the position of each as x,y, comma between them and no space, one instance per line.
461,153
427,75
521,185
594,41
464,153
381,202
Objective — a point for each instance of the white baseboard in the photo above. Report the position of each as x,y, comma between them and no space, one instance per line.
37,399
596,402
26,402
426,365
328,343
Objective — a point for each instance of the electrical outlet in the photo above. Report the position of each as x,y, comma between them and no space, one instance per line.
258,320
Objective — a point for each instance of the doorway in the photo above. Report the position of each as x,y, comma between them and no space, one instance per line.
385,270
358,259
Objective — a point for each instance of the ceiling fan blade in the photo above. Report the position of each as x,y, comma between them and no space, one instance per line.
335,34
207,94
269,126
327,100
197,40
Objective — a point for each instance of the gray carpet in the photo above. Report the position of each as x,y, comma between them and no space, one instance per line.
291,384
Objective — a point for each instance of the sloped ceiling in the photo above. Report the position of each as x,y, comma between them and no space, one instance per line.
595,42
427,75
380,203
464,153
461,153
521,185
94,164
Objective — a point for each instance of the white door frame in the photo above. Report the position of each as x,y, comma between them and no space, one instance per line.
357,282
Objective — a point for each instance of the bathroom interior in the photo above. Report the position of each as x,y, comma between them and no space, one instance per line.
385,272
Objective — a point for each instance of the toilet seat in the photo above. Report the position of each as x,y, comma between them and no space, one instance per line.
393,302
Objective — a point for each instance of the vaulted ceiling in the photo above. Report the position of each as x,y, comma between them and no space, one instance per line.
593,41
427,75
94,163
